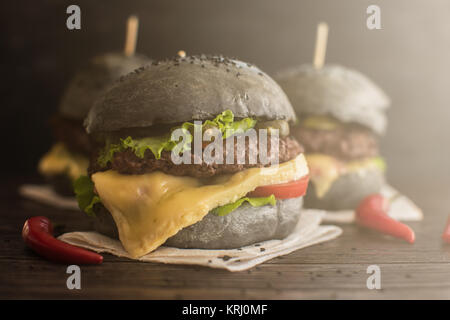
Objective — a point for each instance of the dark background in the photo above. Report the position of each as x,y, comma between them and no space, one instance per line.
408,58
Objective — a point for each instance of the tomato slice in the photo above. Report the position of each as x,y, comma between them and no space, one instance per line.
293,189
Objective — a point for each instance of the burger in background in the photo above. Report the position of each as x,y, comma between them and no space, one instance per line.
69,156
139,191
341,114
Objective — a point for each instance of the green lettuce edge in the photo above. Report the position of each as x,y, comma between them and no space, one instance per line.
380,163
254,202
84,192
224,122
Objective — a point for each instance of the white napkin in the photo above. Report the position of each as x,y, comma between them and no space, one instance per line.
45,194
307,233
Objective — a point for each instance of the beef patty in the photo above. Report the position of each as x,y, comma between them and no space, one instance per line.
72,133
127,162
346,142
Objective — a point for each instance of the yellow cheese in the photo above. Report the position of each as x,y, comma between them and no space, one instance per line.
325,170
321,123
150,208
59,161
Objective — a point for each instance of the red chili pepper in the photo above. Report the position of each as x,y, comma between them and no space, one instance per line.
446,234
37,233
372,213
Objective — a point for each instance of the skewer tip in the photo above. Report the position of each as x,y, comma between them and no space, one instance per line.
321,45
131,37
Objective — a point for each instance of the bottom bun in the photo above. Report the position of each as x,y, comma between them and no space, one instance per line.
347,191
244,226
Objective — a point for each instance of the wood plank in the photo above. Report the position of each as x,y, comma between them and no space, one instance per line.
269,281
332,270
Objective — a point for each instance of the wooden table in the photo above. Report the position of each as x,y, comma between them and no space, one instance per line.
332,270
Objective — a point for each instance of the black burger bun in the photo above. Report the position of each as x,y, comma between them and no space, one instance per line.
91,80
186,89
244,226
199,88
347,191
337,91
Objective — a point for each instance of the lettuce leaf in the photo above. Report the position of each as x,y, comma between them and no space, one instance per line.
107,154
379,163
227,126
224,122
255,202
84,191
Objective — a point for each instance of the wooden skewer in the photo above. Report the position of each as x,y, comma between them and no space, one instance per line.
182,54
321,45
132,31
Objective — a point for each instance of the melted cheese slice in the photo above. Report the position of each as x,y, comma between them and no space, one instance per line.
321,123
60,161
150,208
325,170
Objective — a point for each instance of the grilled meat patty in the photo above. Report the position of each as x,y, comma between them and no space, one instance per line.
345,142
72,133
128,163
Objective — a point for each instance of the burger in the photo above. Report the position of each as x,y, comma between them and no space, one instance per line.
149,186
69,156
341,115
